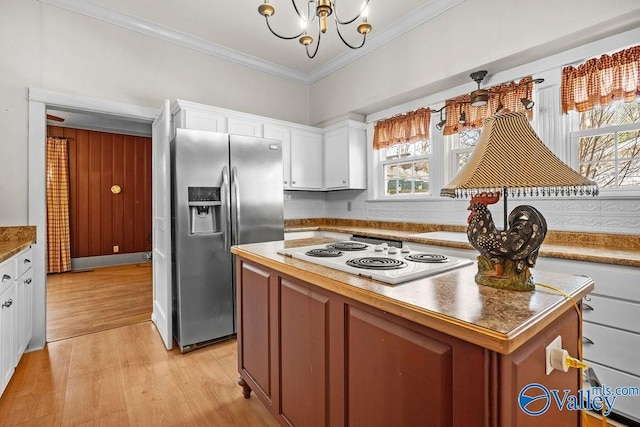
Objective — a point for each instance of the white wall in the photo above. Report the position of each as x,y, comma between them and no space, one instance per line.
475,34
54,49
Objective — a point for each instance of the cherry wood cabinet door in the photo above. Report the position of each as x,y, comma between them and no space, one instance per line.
304,352
254,328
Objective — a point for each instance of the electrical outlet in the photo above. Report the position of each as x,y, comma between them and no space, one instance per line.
556,343
116,249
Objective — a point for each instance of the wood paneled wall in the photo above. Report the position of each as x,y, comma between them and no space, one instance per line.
100,219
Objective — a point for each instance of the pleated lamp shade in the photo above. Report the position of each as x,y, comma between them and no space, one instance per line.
510,156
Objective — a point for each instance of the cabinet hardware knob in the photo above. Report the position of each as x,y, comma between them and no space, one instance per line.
5,277
293,182
285,182
586,306
7,303
586,340
344,181
28,281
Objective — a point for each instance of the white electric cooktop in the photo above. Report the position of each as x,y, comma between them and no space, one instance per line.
379,262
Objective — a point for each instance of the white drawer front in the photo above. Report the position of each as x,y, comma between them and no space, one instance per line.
25,260
8,273
611,347
624,405
610,280
618,314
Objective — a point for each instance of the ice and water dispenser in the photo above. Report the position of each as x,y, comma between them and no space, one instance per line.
204,210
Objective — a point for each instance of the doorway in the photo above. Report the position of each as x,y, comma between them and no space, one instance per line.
40,101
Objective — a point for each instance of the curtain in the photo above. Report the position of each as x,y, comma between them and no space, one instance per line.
600,81
507,94
409,127
58,238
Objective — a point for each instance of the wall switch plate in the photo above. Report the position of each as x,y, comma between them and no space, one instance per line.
556,343
348,206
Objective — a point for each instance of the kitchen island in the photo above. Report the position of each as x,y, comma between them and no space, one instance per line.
323,347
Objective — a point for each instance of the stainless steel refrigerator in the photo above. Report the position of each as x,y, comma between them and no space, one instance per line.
226,190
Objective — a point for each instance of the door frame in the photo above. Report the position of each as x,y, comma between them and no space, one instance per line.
39,100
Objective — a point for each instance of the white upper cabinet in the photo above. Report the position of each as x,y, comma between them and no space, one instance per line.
241,126
306,160
282,134
345,156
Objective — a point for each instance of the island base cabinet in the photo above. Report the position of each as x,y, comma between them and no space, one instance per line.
317,358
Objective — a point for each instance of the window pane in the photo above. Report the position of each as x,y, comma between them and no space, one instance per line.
422,148
392,152
421,176
599,147
630,112
469,138
462,159
629,144
599,117
629,174
391,179
604,173
404,178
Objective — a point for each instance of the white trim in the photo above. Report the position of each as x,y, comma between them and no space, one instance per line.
39,99
534,68
112,16
404,25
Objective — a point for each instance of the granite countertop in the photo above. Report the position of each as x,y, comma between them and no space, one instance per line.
573,248
15,239
450,302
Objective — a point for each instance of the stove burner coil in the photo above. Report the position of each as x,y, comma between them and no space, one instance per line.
347,246
324,253
377,263
427,258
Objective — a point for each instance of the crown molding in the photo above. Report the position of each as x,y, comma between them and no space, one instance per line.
404,25
105,14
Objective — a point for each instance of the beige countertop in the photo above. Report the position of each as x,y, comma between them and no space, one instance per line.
576,250
450,302
15,239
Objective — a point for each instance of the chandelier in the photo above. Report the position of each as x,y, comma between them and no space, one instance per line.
316,16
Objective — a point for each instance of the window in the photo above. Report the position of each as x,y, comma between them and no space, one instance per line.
607,145
462,145
405,168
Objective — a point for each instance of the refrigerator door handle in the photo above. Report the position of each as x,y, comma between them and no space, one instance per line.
236,204
225,201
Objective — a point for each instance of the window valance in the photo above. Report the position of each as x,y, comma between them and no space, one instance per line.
408,127
508,95
600,81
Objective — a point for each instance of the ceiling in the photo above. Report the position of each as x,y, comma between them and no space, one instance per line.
236,31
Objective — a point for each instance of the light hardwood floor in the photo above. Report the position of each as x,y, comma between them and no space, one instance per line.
94,300
125,377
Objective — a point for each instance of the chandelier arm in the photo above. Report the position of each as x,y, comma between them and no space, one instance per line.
278,35
364,38
335,12
317,46
295,7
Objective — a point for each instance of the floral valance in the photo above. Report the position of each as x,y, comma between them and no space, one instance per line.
507,94
409,127
600,81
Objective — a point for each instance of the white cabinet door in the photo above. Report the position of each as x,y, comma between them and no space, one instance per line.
7,335
24,311
245,127
306,160
200,120
345,158
282,134
161,314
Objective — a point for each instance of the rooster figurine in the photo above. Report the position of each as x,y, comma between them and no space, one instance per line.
505,255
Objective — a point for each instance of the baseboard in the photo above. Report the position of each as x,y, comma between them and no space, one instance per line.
108,260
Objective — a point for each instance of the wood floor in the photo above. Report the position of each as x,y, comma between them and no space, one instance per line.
125,377
94,300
